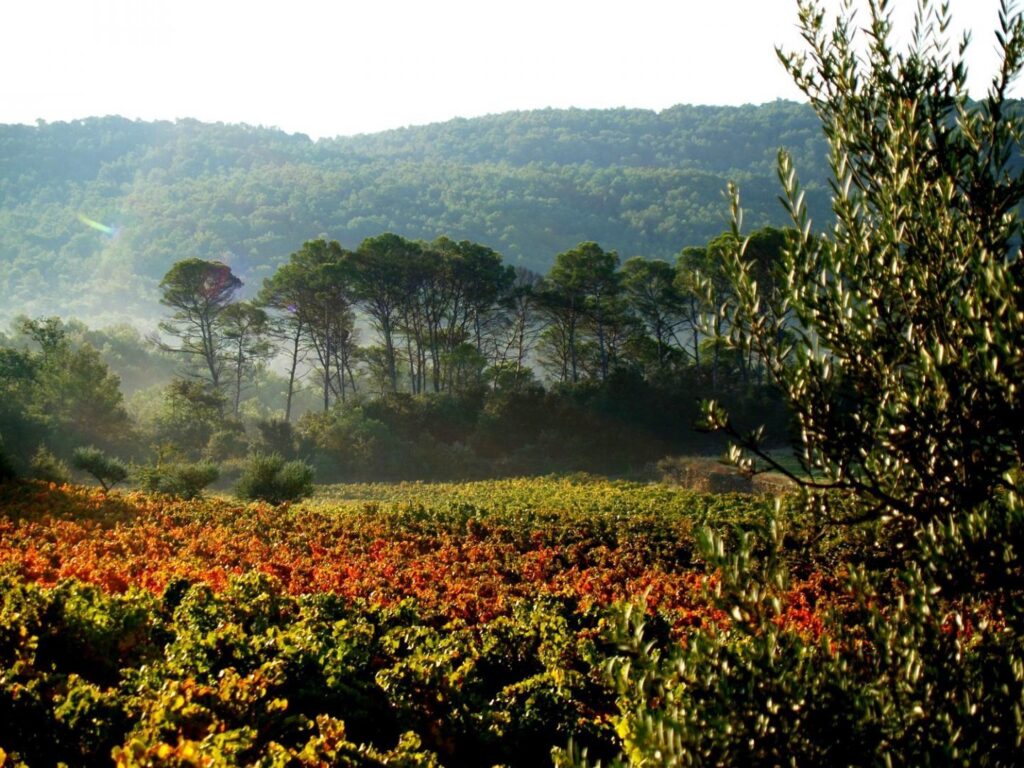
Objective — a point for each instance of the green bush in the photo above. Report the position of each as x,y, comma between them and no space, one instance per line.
348,445
191,479
268,477
108,472
896,337
186,480
47,467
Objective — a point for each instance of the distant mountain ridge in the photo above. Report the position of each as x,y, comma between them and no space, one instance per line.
93,212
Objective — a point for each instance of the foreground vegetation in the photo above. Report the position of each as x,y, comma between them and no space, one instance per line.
463,624
476,624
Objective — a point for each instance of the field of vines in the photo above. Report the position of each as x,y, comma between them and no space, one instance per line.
373,625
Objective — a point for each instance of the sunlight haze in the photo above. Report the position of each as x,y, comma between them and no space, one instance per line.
340,68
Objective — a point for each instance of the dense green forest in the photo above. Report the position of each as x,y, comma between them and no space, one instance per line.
94,212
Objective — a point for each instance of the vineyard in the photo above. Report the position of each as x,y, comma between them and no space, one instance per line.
376,624
869,613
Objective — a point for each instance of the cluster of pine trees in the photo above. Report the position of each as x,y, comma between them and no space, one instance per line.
446,317
399,359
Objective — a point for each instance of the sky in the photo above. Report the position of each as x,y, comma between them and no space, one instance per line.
341,67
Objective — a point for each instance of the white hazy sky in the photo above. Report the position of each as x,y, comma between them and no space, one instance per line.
339,67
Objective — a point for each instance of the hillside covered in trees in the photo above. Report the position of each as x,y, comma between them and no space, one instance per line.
94,212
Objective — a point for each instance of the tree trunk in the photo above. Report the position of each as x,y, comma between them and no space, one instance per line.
291,373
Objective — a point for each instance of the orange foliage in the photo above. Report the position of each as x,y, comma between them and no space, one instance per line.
471,572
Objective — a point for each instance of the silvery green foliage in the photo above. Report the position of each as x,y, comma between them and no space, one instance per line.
897,335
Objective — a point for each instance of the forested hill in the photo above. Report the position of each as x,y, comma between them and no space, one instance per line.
94,212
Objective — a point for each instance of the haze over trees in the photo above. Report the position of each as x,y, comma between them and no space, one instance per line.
406,359
96,211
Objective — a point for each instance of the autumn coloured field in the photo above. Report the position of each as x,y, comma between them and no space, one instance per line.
458,624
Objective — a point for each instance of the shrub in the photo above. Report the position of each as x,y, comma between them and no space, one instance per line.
186,480
349,445
886,686
47,467
268,477
107,472
191,479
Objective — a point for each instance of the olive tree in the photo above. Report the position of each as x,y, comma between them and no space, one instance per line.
897,336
